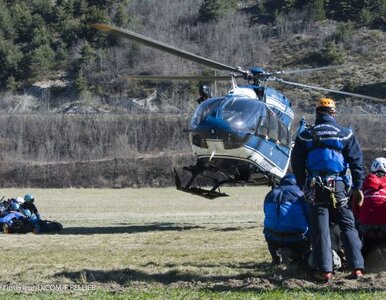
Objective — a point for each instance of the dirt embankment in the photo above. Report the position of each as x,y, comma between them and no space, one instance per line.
153,170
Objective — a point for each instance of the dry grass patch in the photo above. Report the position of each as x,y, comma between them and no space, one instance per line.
146,242
110,233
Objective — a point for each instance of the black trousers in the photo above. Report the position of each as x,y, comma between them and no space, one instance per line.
320,214
299,250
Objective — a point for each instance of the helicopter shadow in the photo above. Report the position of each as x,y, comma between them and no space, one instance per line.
123,276
249,280
122,228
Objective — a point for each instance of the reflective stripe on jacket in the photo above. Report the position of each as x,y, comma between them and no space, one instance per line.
327,147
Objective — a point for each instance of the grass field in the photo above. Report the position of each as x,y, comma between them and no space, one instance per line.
155,243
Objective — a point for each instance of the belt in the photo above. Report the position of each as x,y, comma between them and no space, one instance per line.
324,173
284,234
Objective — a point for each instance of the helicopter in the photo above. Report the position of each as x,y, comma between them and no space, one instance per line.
243,136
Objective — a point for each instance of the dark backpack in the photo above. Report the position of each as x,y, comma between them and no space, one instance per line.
49,226
18,226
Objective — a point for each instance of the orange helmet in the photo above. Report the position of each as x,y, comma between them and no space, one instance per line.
326,103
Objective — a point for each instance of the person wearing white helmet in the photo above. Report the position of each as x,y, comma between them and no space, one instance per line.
371,215
378,166
29,204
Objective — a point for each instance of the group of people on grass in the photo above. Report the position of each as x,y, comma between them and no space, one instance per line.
20,211
326,209
20,215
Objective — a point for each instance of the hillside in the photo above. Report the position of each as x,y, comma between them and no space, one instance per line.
79,110
58,58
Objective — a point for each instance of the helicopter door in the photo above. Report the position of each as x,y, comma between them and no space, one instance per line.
270,127
284,135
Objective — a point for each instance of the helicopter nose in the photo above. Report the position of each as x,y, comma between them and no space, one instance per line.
234,141
230,140
199,140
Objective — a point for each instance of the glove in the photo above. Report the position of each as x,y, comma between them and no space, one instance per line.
358,197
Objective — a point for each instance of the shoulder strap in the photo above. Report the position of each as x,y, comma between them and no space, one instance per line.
278,202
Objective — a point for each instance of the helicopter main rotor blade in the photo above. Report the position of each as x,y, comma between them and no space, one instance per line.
328,90
167,48
305,70
180,78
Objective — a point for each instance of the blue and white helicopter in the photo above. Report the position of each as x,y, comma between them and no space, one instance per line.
241,137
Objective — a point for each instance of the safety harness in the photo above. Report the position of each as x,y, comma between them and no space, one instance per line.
323,180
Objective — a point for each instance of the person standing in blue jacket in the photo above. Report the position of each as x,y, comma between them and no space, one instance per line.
285,221
320,160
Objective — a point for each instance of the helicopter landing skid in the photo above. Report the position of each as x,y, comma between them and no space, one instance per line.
198,191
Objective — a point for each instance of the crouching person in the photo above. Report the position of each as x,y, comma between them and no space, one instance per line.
285,222
371,215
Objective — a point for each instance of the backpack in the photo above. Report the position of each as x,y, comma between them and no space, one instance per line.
18,226
49,226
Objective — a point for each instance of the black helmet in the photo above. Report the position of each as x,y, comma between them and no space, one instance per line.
205,91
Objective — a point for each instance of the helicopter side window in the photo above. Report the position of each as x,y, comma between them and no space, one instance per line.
284,136
273,129
270,127
262,129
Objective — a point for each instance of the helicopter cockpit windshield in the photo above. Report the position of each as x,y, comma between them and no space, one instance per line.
242,113
247,116
205,109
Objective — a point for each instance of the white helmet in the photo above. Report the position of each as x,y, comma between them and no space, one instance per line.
19,200
379,165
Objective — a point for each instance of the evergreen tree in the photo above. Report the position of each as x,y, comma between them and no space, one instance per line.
121,17
80,7
231,4
11,84
80,82
374,13
43,8
365,17
69,31
288,5
68,7
94,15
87,54
317,10
10,59
61,56
22,21
40,36
331,55
7,27
39,62
210,10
